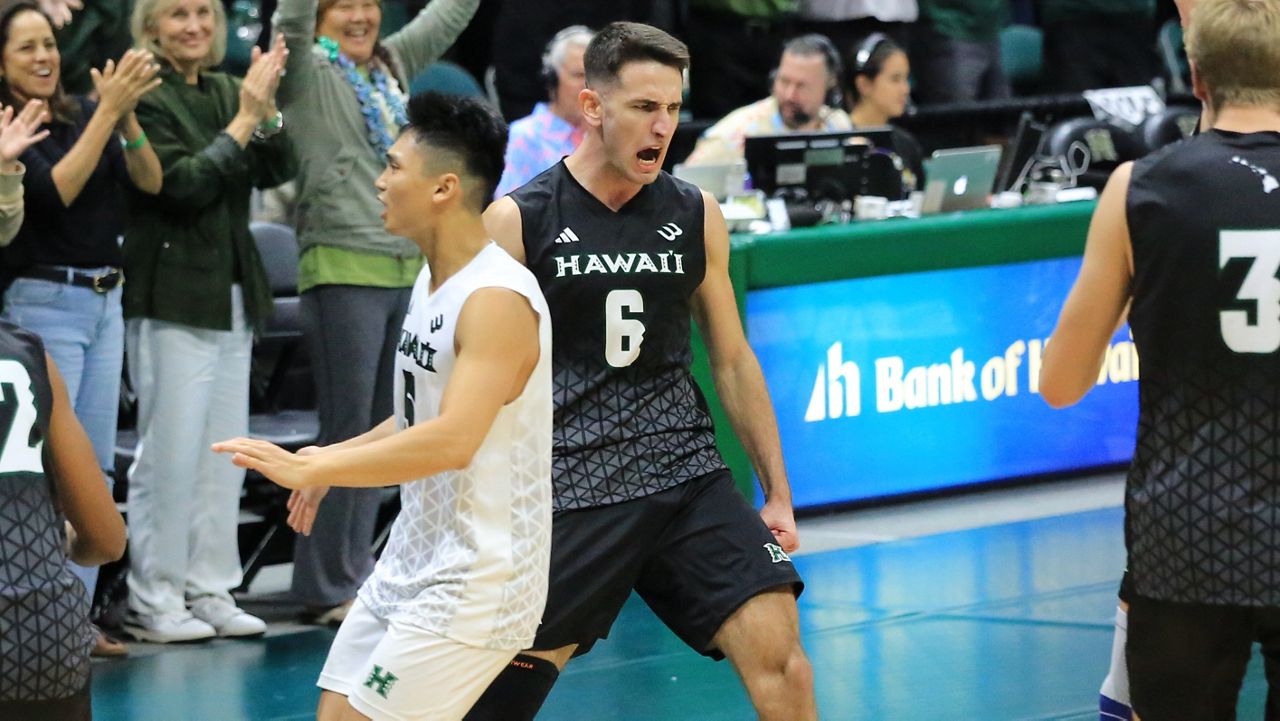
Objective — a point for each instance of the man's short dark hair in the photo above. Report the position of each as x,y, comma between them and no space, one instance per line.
815,44
625,42
467,129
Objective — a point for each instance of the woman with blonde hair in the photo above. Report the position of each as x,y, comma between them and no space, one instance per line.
197,290
345,93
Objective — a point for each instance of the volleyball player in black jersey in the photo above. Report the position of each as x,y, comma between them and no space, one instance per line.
54,505
1189,237
625,254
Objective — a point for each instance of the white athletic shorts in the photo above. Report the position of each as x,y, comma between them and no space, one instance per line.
395,671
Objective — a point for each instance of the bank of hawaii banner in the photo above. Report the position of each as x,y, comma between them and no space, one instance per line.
907,383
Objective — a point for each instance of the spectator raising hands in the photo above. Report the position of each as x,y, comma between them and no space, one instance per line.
197,291
79,159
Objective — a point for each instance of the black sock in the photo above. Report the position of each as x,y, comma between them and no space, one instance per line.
518,692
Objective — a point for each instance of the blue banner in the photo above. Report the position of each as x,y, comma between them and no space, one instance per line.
907,383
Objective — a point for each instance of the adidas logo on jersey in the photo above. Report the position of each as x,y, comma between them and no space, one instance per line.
437,323
670,231
567,236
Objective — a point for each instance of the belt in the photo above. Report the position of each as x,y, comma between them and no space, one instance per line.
98,282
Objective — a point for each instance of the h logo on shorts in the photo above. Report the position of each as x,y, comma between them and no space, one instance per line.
381,681
776,554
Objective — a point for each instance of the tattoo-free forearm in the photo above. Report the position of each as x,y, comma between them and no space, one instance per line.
745,399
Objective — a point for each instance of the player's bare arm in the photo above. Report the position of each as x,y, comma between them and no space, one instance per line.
739,380
497,349
1097,302
502,221
98,530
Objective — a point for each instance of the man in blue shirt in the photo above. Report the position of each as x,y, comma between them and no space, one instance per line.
552,131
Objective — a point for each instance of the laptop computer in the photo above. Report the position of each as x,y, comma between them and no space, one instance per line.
721,180
960,179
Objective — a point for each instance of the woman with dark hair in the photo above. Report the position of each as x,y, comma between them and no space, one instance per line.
345,93
197,290
877,90
63,269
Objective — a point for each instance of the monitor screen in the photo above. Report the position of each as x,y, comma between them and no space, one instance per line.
1022,149
827,165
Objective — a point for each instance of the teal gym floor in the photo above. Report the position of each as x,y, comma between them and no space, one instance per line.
1005,621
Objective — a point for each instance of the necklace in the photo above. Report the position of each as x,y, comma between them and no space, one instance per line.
378,86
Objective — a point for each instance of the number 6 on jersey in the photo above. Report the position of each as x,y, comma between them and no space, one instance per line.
622,335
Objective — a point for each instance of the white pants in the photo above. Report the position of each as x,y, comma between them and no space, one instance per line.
398,672
184,500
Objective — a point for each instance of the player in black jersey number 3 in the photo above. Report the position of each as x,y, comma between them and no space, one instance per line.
625,254
1189,239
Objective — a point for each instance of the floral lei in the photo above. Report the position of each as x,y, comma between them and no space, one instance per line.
374,120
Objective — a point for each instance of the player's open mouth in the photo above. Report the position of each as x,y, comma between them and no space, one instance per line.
649,156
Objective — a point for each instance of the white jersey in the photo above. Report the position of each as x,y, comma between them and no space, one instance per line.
467,558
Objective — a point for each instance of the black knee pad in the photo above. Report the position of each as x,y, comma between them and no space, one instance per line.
518,692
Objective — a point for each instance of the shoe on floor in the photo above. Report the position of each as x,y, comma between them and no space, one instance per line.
226,618
106,647
327,616
179,627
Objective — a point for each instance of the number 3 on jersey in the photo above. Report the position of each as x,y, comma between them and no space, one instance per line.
1260,286
622,335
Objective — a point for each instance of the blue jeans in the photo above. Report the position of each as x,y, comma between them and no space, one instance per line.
83,331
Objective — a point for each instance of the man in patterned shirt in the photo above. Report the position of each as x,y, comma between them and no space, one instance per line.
626,255
1186,240
804,99
554,128
462,583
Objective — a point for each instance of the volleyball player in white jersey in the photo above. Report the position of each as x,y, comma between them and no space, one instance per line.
462,583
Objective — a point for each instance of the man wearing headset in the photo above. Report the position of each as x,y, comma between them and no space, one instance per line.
554,128
805,98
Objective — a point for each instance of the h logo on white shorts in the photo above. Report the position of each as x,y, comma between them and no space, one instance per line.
381,681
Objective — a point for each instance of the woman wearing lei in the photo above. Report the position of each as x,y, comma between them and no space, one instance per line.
344,95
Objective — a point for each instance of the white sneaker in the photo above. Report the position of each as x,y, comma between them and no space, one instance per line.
227,619
178,627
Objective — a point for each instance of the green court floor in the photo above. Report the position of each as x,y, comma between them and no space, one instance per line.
1004,622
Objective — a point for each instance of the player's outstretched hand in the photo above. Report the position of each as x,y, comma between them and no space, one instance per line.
280,466
781,520
305,502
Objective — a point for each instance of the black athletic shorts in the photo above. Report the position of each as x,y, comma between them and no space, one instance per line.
76,707
695,553
1187,660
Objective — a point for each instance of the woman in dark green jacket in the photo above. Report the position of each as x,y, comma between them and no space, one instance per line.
196,292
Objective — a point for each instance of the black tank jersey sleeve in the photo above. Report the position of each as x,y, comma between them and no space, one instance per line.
1203,496
630,421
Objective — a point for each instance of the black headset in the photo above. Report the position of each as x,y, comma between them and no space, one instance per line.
830,56
550,74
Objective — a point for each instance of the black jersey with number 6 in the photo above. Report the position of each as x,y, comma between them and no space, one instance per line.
1203,498
629,419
